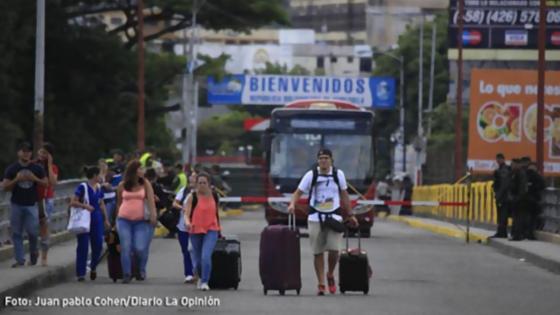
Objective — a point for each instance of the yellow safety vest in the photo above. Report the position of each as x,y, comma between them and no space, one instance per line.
183,181
144,158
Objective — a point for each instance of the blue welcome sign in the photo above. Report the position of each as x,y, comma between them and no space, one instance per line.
376,92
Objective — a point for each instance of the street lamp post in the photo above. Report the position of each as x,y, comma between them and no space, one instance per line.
402,138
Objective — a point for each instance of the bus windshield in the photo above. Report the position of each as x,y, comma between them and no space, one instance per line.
293,154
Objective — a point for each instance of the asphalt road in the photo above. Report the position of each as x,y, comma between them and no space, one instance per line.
415,272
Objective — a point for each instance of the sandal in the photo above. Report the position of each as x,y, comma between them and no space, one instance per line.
332,284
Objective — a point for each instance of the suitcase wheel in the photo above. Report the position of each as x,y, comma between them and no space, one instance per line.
342,291
297,291
114,280
235,287
282,292
366,292
265,291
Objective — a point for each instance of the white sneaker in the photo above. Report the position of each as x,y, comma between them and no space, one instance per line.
204,287
188,279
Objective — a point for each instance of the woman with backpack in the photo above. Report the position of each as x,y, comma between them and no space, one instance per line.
136,219
201,220
90,197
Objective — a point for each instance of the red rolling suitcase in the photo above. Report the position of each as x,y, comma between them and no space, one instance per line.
279,260
354,270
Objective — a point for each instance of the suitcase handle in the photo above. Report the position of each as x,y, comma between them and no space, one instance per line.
291,221
348,240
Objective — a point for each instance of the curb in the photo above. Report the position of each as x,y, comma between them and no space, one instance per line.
539,261
234,212
6,252
442,230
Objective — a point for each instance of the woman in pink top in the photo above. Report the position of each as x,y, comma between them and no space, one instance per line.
203,225
135,231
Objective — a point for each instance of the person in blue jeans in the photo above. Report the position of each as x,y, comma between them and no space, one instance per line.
22,179
204,227
135,227
99,222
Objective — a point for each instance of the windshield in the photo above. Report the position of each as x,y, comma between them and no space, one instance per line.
293,154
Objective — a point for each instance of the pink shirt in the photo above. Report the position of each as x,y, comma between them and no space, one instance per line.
205,218
132,206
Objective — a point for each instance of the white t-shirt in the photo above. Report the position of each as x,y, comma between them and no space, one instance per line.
181,225
325,196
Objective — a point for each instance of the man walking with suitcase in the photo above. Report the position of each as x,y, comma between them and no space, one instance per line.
326,187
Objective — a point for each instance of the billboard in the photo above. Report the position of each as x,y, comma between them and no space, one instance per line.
503,118
503,24
375,92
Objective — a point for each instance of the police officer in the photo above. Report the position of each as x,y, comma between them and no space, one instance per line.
501,186
520,200
536,186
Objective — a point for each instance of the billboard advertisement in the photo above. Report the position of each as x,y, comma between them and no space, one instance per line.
503,24
373,92
503,118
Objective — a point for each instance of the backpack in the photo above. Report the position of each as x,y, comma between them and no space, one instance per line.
316,176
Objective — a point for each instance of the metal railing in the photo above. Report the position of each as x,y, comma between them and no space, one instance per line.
482,209
59,218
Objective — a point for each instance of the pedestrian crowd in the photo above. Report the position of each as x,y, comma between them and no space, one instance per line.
124,199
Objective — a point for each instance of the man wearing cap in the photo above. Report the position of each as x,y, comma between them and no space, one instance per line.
501,186
327,199
22,179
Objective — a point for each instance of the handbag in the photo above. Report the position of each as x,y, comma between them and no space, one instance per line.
146,210
334,224
80,218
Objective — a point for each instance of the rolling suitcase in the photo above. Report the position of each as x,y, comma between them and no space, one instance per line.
226,264
353,269
279,259
114,257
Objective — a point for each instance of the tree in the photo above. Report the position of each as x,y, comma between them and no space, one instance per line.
176,14
91,92
386,122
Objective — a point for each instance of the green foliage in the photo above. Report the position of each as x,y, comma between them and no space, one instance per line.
91,77
408,47
276,68
176,14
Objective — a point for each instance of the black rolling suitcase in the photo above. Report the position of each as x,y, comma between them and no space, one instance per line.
226,264
280,258
114,257
354,270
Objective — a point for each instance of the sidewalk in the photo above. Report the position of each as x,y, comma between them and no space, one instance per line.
21,281
544,254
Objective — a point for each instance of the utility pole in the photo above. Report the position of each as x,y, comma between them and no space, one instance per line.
541,83
421,76
39,107
188,94
141,113
459,114
402,113
432,74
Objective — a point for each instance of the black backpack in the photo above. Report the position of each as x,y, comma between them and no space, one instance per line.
316,176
